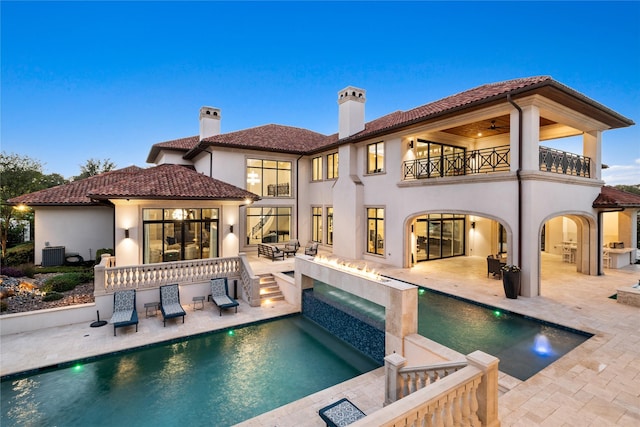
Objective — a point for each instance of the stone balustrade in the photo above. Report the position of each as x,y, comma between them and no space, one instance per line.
446,395
110,278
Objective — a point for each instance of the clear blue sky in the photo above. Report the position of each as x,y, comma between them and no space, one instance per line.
105,80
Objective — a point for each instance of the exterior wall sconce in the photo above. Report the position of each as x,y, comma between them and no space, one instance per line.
231,228
473,224
126,233
411,143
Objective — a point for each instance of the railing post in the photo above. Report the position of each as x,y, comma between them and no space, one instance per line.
98,276
488,389
392,365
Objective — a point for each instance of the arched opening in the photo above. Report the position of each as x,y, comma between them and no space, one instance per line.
567,247
441,235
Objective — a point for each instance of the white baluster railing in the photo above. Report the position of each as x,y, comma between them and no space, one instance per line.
110,278
444,395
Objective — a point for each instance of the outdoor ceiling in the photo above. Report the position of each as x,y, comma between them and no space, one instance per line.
489,127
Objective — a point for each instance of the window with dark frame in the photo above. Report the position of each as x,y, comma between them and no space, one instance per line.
375,231
332,166
375,157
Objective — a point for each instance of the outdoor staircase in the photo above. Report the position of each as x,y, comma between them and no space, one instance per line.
269,289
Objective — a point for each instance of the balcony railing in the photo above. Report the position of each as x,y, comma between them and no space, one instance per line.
485,160
495,159
556,161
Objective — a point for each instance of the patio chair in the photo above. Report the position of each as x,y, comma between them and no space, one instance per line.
292,245
124,310
311,248
220,295
170,303
494,266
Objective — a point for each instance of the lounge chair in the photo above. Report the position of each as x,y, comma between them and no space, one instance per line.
170,303
311,248
124,310
220,295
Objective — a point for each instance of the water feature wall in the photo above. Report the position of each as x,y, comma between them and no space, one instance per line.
346,324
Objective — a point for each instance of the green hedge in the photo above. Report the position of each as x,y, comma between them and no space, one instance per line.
52,296
19,255
66,282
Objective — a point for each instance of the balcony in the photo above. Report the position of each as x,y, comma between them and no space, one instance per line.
490,160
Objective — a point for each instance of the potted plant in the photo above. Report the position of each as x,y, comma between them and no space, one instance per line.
511,280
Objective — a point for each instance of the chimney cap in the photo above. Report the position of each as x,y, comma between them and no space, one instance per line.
352,93
210,113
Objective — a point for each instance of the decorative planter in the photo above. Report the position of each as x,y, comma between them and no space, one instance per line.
511,283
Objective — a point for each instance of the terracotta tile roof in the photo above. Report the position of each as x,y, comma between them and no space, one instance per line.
182,144
611,197
171,182
76,192
272,137
300,141
159,182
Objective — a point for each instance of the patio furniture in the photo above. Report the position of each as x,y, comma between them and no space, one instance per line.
170,303
292,245
494,266
311,248
270,251
220,295
340,413
124,310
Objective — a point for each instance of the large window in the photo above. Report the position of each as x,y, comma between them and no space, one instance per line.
269,178
316,224
375,157
330,226
268,225
332,166
440,159
375,231
179,234
316,169
439,236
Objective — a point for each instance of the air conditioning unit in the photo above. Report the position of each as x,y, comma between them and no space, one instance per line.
52,256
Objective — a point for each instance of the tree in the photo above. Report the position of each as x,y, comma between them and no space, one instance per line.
18,175
94,167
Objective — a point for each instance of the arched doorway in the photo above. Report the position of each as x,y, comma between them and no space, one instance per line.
567,246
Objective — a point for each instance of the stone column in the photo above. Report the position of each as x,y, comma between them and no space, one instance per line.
488,388
392,365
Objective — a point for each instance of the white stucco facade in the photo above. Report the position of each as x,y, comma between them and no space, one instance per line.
82,230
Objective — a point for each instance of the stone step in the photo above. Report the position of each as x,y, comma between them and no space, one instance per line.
269,289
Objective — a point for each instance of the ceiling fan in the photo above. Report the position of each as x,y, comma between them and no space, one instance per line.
495,127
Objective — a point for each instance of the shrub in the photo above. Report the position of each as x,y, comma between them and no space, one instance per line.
21,254
66,282
11,272
3,306
28,270
52,296
99,253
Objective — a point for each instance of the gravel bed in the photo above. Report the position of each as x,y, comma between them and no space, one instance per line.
23,294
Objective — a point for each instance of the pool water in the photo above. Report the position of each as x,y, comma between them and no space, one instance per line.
217,379
524,345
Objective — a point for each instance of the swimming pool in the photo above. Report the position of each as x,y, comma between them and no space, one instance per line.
524,345
217,379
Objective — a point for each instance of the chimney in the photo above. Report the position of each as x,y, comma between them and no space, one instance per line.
350,111
209,122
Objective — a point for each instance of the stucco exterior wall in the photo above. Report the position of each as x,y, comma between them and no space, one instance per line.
80,229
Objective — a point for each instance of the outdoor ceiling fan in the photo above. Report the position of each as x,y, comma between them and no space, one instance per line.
495,127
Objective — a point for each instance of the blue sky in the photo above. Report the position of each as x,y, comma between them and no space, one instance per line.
102,80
